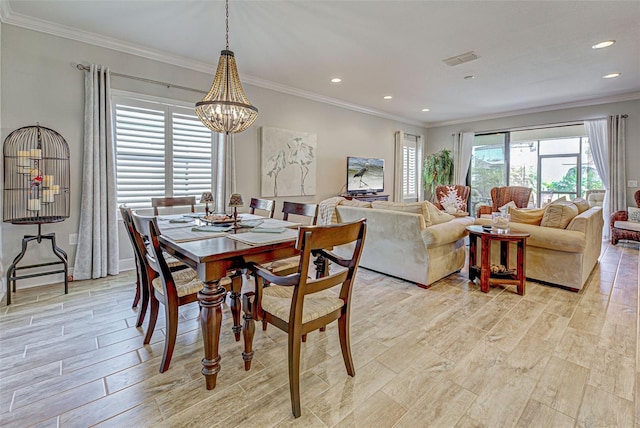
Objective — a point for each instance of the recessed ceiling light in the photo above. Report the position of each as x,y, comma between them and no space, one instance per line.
604,44
469,77
336,80
611,75
426,109
387,97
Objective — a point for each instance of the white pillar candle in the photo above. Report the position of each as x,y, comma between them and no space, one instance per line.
47,180
34,204
36,154
55,188
23,158
47,196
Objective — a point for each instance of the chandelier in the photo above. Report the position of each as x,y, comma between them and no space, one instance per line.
226,108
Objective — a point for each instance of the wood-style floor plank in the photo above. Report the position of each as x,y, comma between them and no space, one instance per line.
448,356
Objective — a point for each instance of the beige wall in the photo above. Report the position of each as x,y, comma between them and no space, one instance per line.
441,137
41,84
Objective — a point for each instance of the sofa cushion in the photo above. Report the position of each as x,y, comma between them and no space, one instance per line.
527,215
559,214
356,203
435,215
582,204
412,207
627,225
633,214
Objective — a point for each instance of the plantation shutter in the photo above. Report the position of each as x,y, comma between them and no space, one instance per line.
140,154
409,170
192,143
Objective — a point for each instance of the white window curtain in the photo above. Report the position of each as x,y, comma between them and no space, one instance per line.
462,157
97,249
617,174
607,143
224,171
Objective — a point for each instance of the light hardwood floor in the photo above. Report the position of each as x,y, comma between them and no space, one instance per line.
450,356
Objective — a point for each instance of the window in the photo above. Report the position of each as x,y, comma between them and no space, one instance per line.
411,173
553,161
162,149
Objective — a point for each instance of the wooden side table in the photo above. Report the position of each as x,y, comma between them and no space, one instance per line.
483,271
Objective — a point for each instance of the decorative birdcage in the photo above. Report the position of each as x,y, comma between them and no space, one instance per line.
36,176
36,191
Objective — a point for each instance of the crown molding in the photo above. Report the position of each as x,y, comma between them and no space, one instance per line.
43,26
582,103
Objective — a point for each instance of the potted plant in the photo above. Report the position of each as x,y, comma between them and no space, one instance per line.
437,170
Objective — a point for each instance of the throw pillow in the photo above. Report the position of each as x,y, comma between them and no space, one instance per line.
527,216
435,215
582,204
506,207
634,214
555,201
559,214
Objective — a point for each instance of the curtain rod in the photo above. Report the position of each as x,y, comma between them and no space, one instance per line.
546,125
142,79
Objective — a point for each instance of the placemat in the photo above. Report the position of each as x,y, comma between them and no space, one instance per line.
253,238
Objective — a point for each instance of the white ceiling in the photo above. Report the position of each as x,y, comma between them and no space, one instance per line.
532,54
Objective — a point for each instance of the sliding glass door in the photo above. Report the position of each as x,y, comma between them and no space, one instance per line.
553,162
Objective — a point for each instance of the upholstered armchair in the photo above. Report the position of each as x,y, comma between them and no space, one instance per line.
502,195
622,228
442,191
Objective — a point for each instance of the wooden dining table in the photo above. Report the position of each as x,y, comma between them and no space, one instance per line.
212,259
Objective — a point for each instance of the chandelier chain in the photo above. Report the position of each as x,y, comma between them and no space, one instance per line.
227,23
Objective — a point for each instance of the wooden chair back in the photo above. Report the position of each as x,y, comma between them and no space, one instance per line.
173,202
296,323
262,204
296,208
141,284
462,191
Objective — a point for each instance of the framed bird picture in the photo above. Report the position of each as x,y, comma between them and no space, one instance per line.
288,162
364,175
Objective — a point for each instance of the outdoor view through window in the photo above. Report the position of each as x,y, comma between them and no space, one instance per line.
554,162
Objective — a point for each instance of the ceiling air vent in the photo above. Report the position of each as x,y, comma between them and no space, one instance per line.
459,59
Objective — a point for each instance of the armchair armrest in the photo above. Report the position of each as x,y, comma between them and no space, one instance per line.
483,209
619,216
287,280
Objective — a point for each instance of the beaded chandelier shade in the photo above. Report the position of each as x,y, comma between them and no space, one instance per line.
225,108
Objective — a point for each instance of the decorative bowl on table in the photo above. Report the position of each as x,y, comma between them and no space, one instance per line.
218,219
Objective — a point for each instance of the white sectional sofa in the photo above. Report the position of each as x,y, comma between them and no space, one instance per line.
408,245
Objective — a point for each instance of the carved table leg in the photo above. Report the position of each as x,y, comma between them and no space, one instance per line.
211,298
248,330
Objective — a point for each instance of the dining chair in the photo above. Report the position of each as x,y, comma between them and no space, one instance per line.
141,292
262,204
290,265
297,304
173,202
174,289
300,209
142,247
